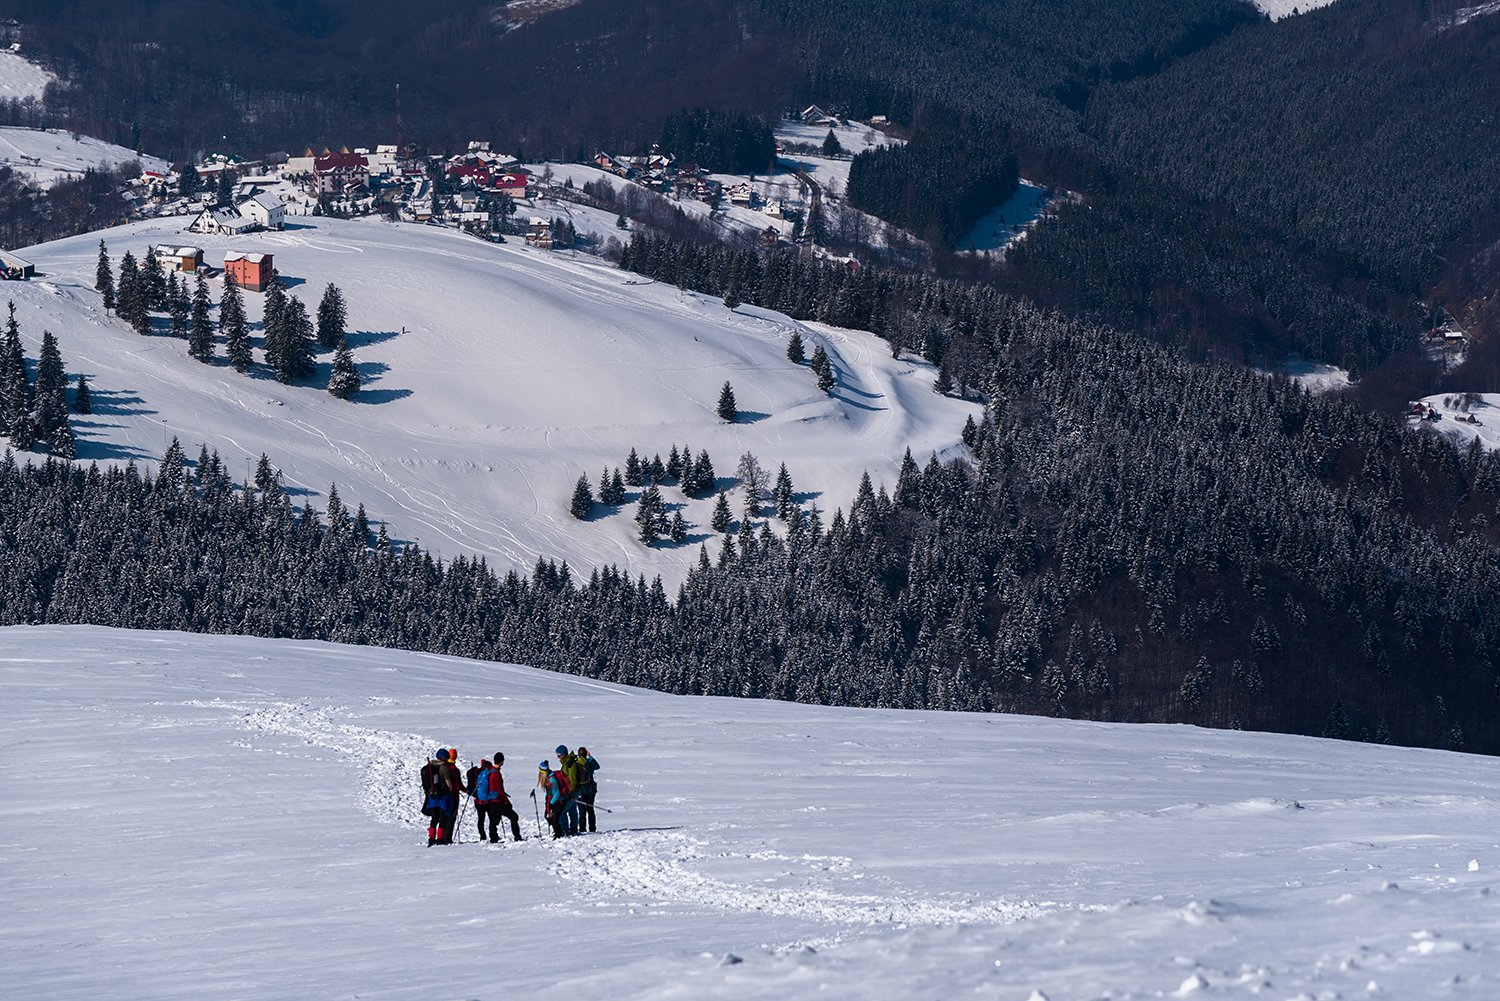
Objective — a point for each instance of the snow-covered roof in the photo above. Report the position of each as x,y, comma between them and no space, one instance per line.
251,258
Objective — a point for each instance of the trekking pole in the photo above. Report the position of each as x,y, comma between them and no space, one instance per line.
537,812
463,806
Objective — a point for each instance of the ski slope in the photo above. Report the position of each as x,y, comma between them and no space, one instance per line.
21,78
494,376
191,816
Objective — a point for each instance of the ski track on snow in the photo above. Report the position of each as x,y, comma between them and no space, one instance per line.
658,865
388,793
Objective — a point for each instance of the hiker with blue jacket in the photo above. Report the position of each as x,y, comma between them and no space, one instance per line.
488,789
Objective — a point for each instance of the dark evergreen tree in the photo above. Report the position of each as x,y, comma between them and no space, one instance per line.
104,280
179,307
726,408
294,359
674,464
362,525
344,382
81,401
794,350
582,504
786,497
657,470
188,182
332,316
722,518
943,384
678,531
201,340
651,516
632,469
831,145
154,280
233,325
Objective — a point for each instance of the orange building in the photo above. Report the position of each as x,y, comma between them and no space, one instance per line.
251,271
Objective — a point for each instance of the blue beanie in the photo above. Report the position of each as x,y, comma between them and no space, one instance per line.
562,749
545,767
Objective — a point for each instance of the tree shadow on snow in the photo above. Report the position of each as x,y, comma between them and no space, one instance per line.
749,417
91,450
856,403
363,338
379,396
114,402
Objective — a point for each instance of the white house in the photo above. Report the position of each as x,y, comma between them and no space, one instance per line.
265,210
222,220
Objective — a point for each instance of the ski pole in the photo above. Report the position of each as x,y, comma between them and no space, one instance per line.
537,812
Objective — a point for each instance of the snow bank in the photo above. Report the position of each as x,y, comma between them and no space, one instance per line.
188,816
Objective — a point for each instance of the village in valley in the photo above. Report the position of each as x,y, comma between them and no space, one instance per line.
494,195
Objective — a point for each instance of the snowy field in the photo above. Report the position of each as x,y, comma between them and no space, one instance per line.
1010,222
45,156
517,371
21,78
190,816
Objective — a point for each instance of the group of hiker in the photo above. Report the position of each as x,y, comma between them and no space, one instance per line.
568,792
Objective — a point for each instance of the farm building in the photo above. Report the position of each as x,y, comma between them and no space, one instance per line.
250,271
180,258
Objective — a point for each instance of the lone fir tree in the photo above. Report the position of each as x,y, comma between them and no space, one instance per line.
81,401
726,409
104,280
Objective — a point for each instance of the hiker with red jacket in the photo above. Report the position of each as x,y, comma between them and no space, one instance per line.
490,799
443,786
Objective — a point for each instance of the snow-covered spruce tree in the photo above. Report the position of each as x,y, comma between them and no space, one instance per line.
332,315
726,408
296,360
650,512
656,470
15,385
154,277
582,504
61,441
722,518
104,280
233,326
274,331
732,296
786,497
678,530
179,307
201,337
831,145
795,352
632,469
81,401
344,382
703,476
674,464
943,384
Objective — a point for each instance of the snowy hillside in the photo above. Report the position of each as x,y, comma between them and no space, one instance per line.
21,78
45,156
517,371
191,816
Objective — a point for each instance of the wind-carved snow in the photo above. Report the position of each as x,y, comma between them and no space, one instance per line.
665,866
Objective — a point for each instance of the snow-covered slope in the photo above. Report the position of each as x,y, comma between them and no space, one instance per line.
21,78
496,375
189,816
45,156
